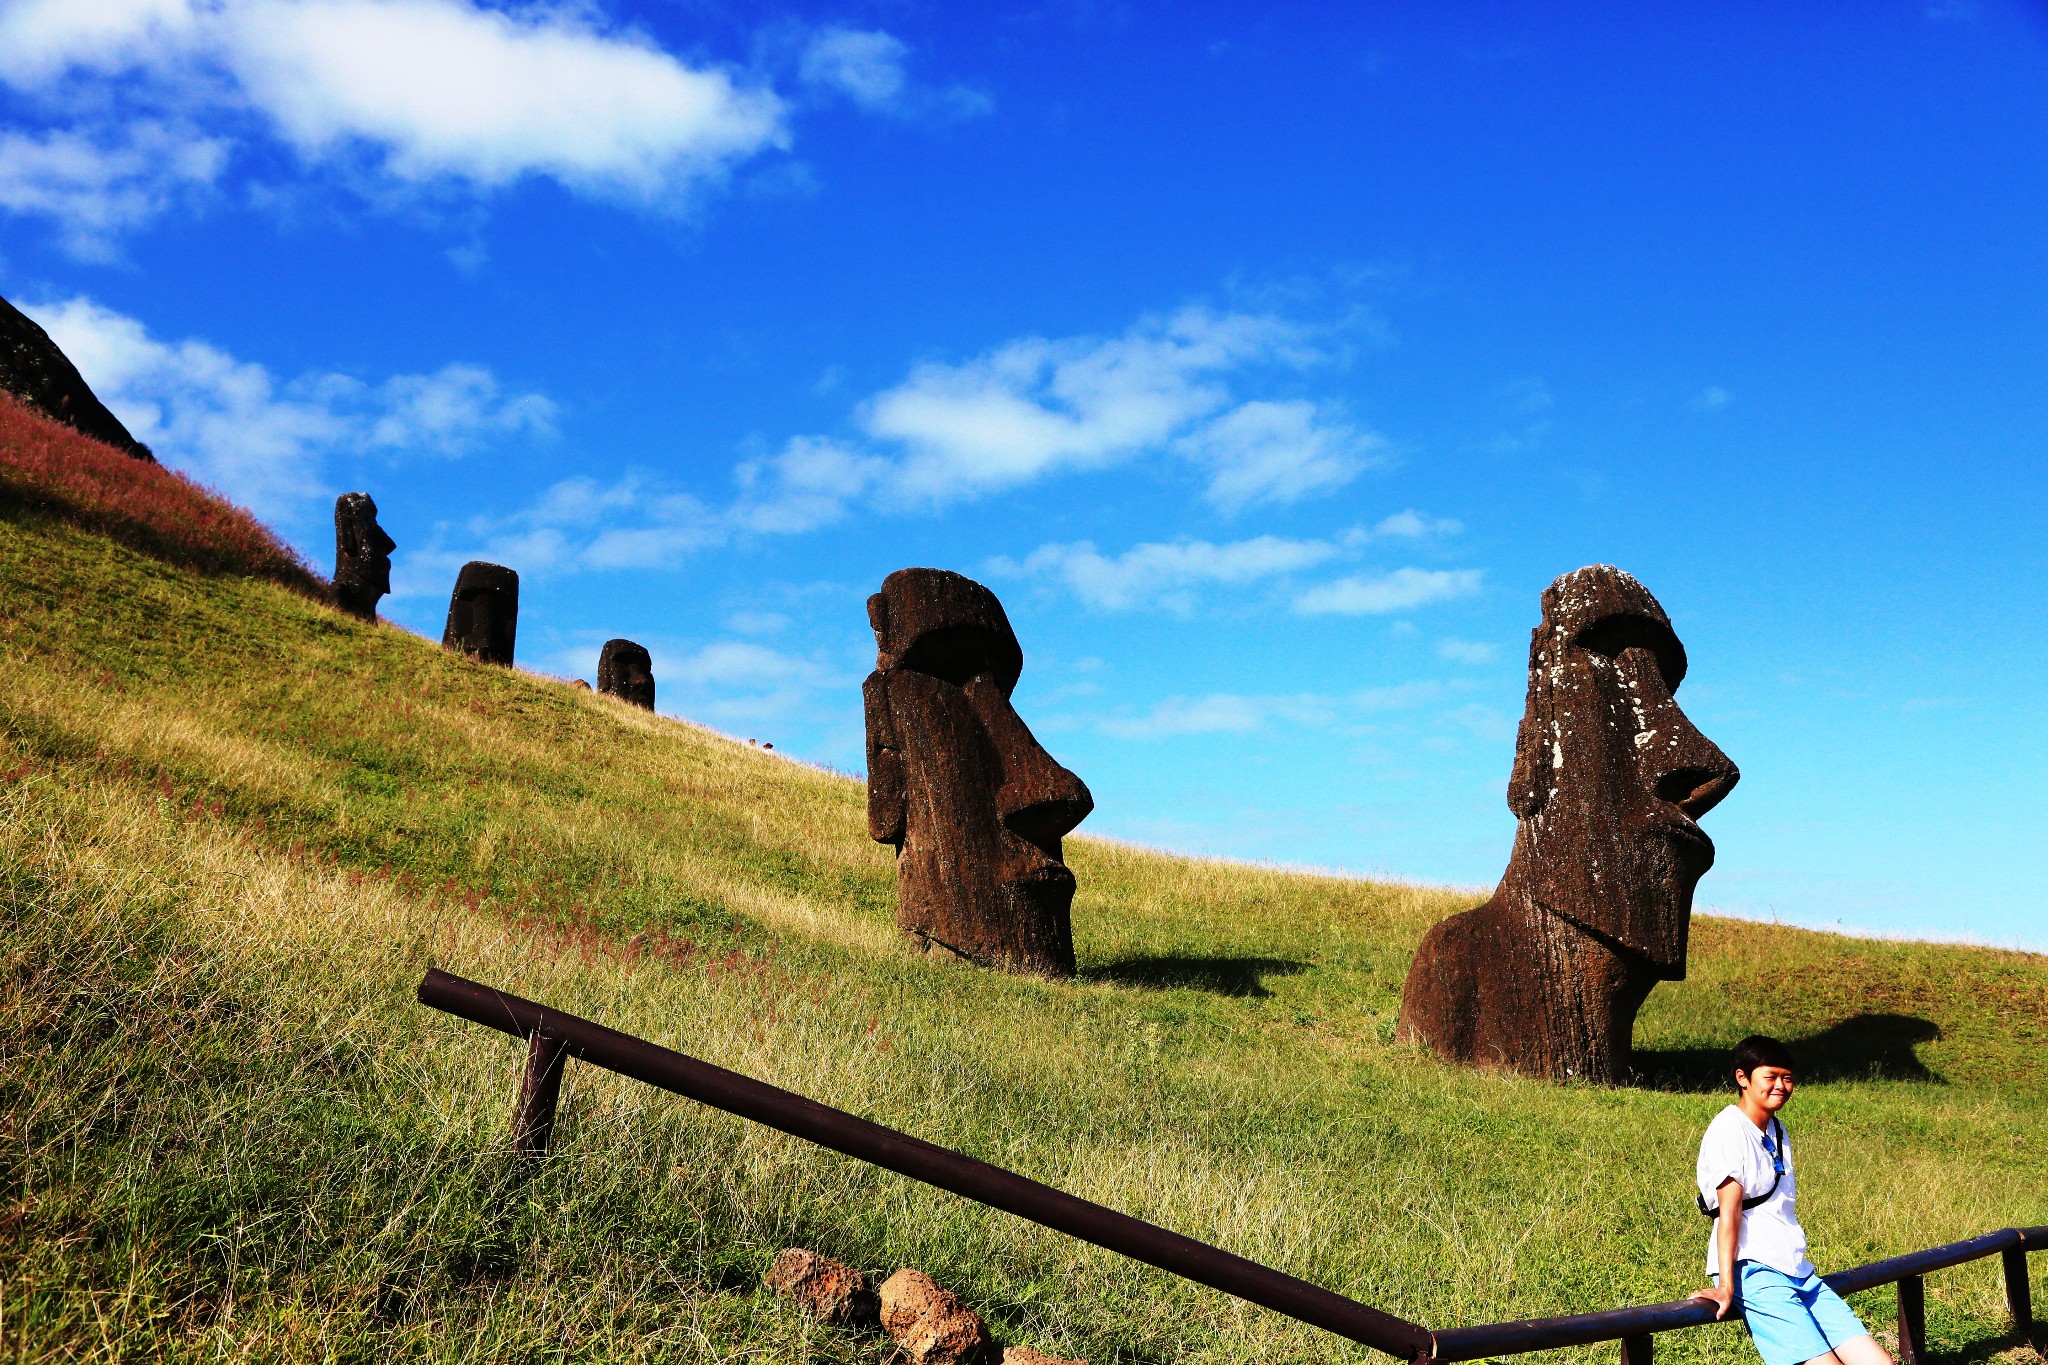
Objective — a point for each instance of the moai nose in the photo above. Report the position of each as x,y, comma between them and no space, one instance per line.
1039,800
1681,765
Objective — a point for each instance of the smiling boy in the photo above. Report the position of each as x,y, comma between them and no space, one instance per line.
1746,1184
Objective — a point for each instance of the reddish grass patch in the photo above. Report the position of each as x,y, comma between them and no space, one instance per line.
47,466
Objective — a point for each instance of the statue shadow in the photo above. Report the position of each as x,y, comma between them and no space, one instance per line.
1238,976
1866,1047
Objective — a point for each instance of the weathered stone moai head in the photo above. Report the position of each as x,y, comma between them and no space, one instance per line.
975,808
483,613
362,556
1610,780
625,671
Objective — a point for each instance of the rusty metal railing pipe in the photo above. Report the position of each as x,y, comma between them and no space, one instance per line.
920,1160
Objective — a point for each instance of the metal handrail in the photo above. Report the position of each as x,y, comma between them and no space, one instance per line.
553,1035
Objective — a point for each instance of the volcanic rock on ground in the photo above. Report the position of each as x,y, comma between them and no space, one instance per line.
822,1287
929,1322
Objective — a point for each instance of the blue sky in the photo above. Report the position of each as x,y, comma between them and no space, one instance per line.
1266,361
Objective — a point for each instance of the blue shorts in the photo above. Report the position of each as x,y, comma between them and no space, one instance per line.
1792,1320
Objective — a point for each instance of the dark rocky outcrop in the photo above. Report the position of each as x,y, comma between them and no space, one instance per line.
40,375
362,556
975,808
1610,778
625,671
483,613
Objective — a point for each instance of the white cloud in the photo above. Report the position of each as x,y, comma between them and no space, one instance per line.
444,88
1466,651
96,187
1379,594
1034,408
1263,452
1413,525
1162,574
397,95
1712,398
261,441
866,66
1229,713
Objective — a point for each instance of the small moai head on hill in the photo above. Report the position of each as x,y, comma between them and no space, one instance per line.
483,613
362,556
625,671
975,807
1610,780
1610,777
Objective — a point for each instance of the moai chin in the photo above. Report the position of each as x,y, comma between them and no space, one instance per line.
1609,781
362,556
975,808
625,671
483,613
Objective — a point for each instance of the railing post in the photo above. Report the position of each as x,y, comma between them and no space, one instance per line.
1912,1321
1637,1350
540,1088
2019,1296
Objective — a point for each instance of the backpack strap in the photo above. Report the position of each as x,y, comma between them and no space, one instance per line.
1777,1177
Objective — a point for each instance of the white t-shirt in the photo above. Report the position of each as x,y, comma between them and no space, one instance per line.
1770,1234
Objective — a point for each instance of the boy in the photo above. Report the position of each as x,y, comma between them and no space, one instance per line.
1746,1183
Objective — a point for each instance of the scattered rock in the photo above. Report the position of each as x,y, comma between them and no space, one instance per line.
975,807
929,1322
578,682
1024,1355
36,372
822,1287
625,671
483,613
362,556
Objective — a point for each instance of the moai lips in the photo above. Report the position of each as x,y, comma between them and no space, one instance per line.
625,671
1609,783
956,781
362,556
483,613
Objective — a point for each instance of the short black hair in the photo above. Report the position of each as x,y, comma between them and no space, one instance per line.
1756,1050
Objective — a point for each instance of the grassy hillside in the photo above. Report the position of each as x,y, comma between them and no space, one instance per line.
235,827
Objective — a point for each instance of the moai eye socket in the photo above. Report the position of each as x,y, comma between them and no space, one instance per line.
1611,636
954,654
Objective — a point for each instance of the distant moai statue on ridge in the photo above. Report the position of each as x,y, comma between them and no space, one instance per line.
362,556
1609,779
625,671
975,808
483,613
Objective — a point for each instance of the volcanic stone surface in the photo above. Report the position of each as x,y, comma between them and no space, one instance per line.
929,1322
362,556
40,375
975,807
483,613
1610,778
824,1288
625,671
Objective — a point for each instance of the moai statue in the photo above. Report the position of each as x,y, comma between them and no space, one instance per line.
1610,779
975,808
483,613
624,671
362,556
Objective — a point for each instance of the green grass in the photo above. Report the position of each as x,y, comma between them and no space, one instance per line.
236,827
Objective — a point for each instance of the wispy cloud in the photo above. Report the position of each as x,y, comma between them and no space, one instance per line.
1382,594
1034,408
145,102
262,440
1221,713
1163,574
1466,651
867,67
1712,399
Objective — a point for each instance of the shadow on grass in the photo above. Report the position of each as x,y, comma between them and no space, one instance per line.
1241,976
1867,1047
